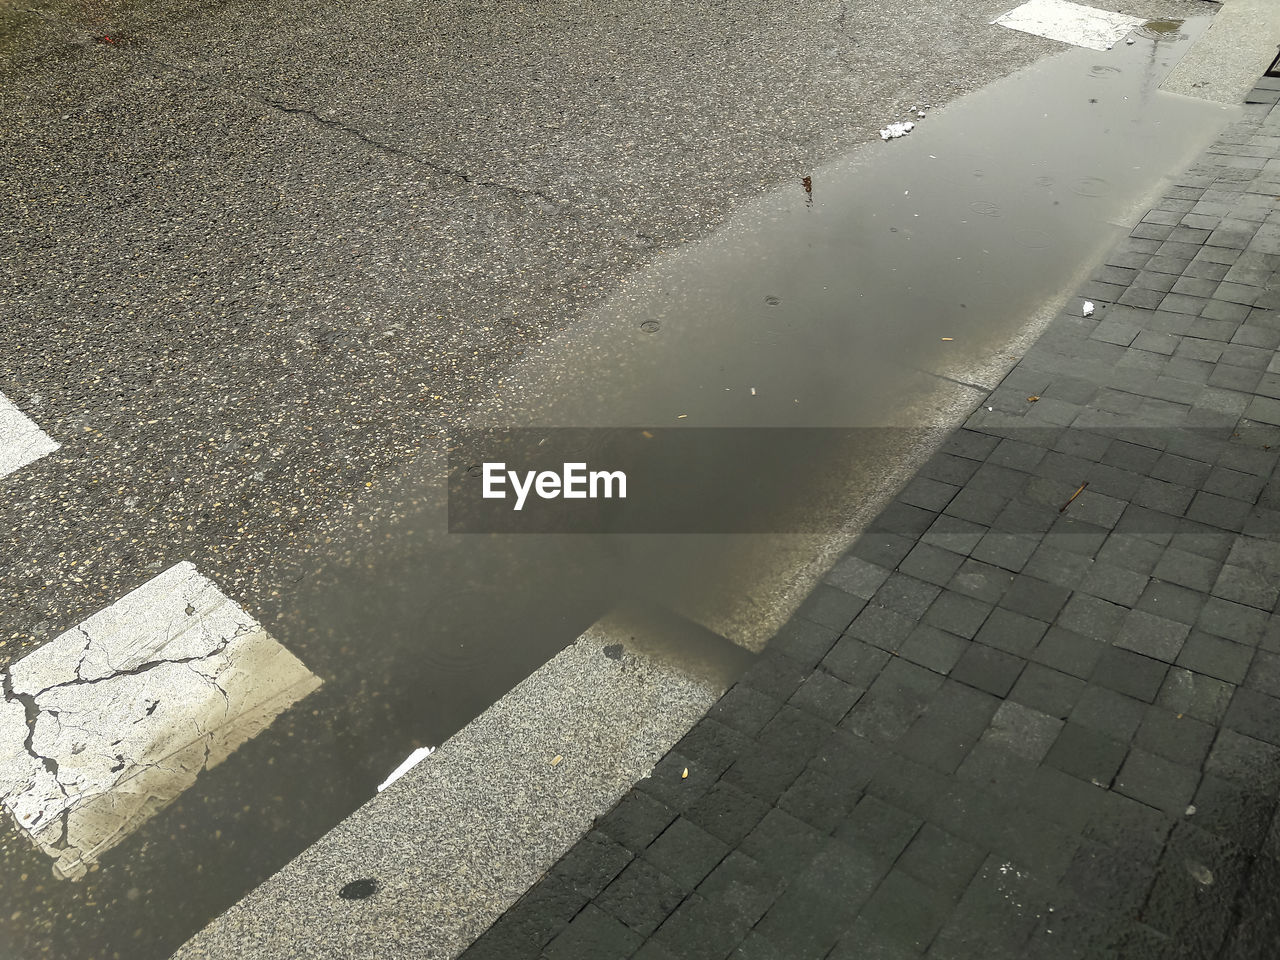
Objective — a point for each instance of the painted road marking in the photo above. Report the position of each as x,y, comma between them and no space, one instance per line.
1071,23
105,725
21,441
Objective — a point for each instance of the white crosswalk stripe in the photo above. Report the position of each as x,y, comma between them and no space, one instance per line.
108,723
1071,23
21,441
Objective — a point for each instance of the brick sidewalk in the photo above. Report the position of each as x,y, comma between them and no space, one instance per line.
1002,728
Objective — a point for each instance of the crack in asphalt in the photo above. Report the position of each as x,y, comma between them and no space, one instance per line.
310,112
399,152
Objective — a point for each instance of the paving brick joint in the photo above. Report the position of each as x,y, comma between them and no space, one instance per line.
1035,711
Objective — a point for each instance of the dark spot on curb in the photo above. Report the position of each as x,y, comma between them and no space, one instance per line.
613,651
359,889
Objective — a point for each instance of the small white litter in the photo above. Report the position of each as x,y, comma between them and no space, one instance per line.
413,760
895,130
1088,308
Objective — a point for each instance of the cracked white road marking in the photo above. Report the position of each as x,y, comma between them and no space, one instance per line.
105,725
1071,23
21,441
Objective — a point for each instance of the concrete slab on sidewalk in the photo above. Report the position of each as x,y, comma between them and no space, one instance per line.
1224,65
455,841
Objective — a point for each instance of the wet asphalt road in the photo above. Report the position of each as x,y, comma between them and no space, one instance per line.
256,260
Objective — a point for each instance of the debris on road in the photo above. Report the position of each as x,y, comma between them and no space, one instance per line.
1088,308
895,130
410,762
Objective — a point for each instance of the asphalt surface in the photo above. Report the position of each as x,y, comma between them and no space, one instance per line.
1034,711
257,261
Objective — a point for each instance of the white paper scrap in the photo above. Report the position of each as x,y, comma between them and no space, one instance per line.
895,130
414,759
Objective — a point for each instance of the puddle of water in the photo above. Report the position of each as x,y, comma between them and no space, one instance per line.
1162,30
875,272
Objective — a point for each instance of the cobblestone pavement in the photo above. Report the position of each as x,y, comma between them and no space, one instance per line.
1035,711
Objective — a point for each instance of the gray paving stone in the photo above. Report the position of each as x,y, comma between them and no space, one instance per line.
593,935
1130,673
981,581
928,493
1014,632
1235,621
1225,512
895,699
820,620
1157,781
826,696
1109,712
782,844
958,614
1068,652
988,669
742,885
1237,813
1086,754
1171,602
1248,762
857,576
933,648
701,928
1172,498
1254,714
1092,617
642,897
1242,355
931,564
1113,583
881,627
882,548
906,594
1175,736
1187,569
1048,691
1243,585
1234,483
1180,302
1215,657
855,662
